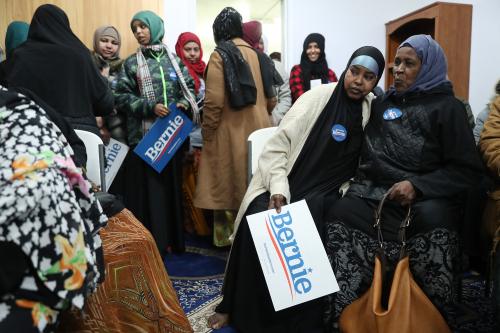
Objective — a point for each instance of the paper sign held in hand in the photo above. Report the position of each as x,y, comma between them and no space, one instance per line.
164,138
292,256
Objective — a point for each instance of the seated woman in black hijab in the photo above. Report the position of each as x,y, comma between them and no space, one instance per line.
305,159
419,148
55,65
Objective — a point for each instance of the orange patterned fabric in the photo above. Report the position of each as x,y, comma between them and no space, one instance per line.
137,295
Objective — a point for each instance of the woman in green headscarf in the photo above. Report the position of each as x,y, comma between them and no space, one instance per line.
17,33
150,80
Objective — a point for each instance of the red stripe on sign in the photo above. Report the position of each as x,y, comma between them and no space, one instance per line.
279,256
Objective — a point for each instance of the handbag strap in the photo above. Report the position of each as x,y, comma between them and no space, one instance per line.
402,228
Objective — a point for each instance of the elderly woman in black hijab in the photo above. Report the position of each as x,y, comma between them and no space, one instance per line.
419,149
313,152
235,105
313,67
57,67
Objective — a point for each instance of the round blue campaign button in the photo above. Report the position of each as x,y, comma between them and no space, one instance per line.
392,113
339,133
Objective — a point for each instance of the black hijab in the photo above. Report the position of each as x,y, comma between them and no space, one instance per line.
318,68
227,25
327,161
57,67
238,78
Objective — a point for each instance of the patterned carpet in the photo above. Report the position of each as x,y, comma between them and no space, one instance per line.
197,277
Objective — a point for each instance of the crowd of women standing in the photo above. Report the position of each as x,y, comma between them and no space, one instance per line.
412,145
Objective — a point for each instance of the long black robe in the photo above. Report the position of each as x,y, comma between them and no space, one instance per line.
321,167
58,68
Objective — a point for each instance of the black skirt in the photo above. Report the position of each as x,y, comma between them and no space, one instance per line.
156,200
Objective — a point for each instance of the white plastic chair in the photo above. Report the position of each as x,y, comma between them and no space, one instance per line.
95,157
256,142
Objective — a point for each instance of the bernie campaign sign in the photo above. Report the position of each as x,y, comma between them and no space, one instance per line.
292,256
164,138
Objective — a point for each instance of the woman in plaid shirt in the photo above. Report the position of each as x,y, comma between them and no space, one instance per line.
312,67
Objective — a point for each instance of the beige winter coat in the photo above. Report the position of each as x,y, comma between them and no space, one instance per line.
222,176
283,148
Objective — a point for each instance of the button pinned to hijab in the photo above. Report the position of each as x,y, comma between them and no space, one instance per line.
339,133
392,113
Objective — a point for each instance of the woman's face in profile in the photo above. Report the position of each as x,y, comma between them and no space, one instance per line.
359,81
141,32
313,51
191,52
406,68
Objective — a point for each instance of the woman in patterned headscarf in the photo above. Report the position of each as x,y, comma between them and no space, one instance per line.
50,249
235,106
152,79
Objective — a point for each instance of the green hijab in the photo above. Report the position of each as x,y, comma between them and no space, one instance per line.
17,33
154,23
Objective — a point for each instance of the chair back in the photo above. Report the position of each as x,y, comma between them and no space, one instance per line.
256,142
95,157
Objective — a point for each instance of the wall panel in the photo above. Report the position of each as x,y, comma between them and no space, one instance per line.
84,16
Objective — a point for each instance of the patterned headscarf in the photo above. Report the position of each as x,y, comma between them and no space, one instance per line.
434,65
227,25
107,31
252,33
154,24
17,33
43,193
195,69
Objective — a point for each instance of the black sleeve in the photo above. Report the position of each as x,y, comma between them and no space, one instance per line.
13,265
102,96
461,164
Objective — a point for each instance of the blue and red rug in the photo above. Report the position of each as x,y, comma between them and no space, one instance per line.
197,276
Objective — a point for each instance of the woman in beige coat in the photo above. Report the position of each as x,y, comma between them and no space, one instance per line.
235,106
312,153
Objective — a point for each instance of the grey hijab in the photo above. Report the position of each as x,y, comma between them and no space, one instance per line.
434,65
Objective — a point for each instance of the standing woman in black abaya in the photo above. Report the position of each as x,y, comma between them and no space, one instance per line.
55,65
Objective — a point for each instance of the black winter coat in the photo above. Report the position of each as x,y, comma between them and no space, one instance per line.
431,145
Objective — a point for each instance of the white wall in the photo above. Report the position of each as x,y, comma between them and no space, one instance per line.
179,17
348,25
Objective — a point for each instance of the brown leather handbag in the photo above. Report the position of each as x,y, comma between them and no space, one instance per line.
400,307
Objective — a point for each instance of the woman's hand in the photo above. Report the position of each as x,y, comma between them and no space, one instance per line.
161,110
181,106
403,192
276,201
105,71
